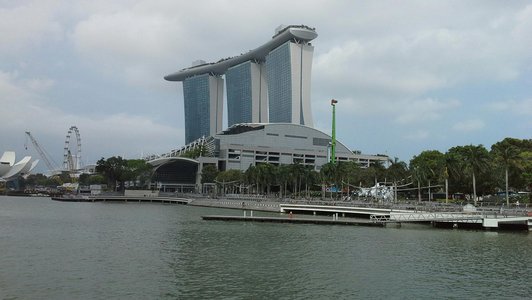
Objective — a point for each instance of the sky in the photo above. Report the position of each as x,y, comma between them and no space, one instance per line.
409,76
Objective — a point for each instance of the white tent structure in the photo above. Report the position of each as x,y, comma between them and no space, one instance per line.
10,170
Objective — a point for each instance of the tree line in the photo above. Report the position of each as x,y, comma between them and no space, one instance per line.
114,171
470,169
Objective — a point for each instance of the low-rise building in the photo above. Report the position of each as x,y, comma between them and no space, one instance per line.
250,144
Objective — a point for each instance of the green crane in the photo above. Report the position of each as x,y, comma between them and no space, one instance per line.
333,142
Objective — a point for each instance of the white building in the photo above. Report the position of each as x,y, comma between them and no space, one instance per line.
10,170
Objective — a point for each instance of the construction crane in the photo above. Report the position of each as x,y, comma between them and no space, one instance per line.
48,161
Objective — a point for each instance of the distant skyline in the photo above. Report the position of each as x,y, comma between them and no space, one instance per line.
408,76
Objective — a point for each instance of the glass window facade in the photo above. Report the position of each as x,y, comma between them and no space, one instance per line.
279,75
239,94
197,114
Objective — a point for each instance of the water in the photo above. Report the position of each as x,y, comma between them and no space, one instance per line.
56,250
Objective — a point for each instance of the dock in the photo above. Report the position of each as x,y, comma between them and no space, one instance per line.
294,220
443,219
106,198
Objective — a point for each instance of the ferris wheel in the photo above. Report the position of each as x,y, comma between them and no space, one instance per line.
72,156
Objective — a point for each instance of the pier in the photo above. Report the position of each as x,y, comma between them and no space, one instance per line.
109,198
344,211
456,219
294,220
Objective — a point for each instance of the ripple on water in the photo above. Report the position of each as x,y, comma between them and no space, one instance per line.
151,251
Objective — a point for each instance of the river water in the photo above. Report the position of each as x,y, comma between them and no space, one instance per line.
57,250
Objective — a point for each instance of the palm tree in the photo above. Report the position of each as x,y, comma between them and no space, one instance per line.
250,177
297,171
283,175
453,168
507,155
418,174
476,159
266,176
397,172
328,175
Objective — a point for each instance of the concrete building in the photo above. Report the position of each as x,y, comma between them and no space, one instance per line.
268,84
245,145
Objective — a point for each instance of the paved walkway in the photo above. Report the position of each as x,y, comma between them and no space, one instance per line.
237,204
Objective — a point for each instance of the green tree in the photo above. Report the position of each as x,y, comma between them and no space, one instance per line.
297,171
251,178
328,176
266,176
526,166
477,159
473,161
96,179
397,172
209,173
428,167
283,177
455,170
53,181
114,171
231,177
138,171
34,180
507,155
195,153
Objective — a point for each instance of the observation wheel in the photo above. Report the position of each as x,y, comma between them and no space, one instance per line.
72,156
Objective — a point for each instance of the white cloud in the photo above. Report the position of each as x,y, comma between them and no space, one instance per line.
39,84
424,110
401,111
398,64
419,134
26,26
419,62
133,44
523,107
103,135
468,125
523,29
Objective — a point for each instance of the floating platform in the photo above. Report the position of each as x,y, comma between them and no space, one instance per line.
294,220
100,198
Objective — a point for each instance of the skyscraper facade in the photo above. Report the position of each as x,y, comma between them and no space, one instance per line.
247,94
203,99
268,84
288,67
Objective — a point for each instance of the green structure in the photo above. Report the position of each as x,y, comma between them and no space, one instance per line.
333,135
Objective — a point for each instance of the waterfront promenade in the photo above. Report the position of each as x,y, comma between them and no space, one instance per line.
345,212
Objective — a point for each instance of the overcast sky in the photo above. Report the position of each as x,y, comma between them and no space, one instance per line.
408,75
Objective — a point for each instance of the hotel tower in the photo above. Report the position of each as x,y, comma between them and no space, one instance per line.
270,84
